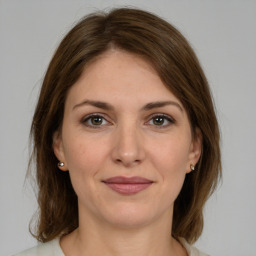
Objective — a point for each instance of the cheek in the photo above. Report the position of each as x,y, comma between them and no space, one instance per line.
171,160
81,151
83,159
171,156
84,163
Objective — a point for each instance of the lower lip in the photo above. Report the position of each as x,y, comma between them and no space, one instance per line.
128,189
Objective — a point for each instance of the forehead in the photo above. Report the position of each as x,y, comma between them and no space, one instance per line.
120,76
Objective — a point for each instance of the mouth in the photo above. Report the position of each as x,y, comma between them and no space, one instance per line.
127,185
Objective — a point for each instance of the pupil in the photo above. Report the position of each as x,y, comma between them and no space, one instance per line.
96,120
158,120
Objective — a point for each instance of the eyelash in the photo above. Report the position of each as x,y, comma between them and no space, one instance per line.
88,118
165,117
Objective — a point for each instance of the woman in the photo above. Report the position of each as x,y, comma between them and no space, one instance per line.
126,141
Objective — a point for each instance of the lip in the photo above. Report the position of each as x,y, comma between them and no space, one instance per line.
128,185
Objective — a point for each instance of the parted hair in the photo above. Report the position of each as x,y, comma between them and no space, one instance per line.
142,33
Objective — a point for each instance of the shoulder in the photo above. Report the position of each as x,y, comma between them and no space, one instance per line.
192,251
51,248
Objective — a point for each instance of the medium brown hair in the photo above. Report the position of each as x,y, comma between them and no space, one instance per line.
150,37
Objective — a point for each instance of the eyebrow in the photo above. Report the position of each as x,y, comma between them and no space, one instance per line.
98,104
149,106
160,104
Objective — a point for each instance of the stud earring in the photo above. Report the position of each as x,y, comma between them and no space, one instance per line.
192,167
61,164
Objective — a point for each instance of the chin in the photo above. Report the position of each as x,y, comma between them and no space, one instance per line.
131,216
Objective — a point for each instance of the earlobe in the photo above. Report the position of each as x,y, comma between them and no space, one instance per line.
58,150
196,149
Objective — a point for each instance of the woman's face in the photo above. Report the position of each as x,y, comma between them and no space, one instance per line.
126,141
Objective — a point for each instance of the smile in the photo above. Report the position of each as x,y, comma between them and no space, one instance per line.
127,186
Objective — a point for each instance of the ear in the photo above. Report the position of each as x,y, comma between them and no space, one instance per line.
59,150
195,150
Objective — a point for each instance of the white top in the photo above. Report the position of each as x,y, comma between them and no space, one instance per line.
53,248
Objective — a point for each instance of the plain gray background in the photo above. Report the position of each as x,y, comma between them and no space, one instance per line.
223,34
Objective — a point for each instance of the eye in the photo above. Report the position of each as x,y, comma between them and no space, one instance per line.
161,120
95,121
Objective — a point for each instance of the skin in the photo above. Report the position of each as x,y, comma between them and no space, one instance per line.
127,140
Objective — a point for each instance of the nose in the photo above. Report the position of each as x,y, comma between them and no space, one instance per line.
128,149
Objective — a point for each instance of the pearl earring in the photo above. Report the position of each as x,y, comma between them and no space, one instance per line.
192,167
61,164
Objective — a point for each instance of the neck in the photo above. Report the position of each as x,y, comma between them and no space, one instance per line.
92,238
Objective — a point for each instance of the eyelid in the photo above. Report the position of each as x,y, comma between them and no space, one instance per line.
167,117
87,117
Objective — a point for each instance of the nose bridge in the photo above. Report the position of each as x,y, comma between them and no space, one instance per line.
128,147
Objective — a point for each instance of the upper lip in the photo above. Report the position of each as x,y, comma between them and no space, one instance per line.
127,180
